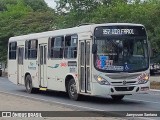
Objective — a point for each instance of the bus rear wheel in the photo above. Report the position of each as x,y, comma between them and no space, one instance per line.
117,97
72,90
28,84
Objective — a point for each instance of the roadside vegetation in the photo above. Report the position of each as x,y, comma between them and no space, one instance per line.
19,17
155,85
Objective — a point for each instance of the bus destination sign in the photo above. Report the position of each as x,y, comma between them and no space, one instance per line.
119,31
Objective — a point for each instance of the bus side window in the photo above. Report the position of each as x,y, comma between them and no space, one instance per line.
31,49
26,49
12,50
56,49
70,46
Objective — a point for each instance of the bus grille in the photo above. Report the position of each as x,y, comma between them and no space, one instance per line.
121,83
124,88
126,82
122,76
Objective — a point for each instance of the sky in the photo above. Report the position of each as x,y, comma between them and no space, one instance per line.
51,3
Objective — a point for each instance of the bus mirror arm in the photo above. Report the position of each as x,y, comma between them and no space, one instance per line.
150,49
94,48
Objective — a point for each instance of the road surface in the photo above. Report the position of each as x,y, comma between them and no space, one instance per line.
139,102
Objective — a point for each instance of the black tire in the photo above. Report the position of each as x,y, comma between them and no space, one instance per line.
28,84
72,91
152,72
0,73
117,97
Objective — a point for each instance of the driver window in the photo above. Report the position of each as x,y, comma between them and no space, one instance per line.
138,48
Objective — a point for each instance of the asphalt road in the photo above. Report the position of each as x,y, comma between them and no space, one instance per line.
139,102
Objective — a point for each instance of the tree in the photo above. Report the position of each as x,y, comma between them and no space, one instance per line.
19,17
37,5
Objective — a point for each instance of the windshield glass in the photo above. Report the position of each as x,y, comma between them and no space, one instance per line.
127,54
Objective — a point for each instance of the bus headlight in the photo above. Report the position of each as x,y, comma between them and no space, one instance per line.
101,80
143,78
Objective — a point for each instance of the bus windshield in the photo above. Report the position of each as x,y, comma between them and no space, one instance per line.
121,54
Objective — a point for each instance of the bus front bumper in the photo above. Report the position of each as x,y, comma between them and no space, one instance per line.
103,90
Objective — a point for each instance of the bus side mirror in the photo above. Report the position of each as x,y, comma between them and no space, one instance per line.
94,48
150,50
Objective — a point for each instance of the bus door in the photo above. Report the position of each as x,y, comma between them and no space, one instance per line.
85,66
42,65
20,71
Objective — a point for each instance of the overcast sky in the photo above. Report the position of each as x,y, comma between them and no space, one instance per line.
51,3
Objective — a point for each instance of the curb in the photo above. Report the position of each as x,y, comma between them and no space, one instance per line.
155,90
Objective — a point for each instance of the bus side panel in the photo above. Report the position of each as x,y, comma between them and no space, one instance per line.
31,67
56,74
12,71
12,65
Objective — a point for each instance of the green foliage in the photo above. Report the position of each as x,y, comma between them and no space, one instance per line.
19,17
3,4
37,5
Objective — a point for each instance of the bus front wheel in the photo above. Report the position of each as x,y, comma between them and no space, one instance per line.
117,97
29,86
72,90
0,73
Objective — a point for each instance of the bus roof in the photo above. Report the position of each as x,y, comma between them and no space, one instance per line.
74,30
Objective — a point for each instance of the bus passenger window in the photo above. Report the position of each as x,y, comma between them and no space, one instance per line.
56,49
31,49
70,46
26,49
12,50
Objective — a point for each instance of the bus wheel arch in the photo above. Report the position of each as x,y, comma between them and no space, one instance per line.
71,89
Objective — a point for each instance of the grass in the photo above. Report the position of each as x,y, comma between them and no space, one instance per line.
155,85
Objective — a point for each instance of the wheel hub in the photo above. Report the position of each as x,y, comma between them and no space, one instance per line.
73,90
